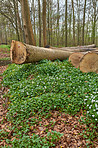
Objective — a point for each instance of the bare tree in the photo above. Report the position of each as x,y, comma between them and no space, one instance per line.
44,24
27,22
58,16
39,13
73,23
65,23
83,23
94,22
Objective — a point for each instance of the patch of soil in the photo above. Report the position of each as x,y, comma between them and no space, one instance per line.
4,62
3,90
4,55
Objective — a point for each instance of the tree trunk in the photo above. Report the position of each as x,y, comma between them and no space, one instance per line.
39,13
65,23
51,23
33,9
83,23
48,21
23,53
89,63
78,48
58,17
19,23
16,19
44,24
78,23
73,23
94,22
27,22
70,22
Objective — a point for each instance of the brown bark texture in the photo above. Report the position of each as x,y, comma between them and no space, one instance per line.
78,48
27,23
23,53
44,24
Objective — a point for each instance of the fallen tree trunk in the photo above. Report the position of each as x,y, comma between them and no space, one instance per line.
23,53
75,49
89,63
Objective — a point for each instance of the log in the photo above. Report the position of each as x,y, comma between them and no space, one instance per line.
75,58
23,53
89,63
75,49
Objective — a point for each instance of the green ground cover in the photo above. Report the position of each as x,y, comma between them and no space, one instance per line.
38,89
5,46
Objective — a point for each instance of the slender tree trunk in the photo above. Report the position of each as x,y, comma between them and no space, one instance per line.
94,23
73,23
39,12
70,17
58,22
78,27
16,20
51,22
48,21
33,9
65,23
44,24
19,23
27,23
83,23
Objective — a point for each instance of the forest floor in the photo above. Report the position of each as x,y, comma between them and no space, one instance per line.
4,61
59,121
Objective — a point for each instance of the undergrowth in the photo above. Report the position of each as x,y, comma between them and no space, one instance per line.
5,46
37,89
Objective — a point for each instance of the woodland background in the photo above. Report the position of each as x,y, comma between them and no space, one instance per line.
68,22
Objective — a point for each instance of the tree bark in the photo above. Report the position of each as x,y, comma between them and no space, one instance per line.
44,24
48,21
77,48
65,23
94,22
58,17
83,23
16,19
27,23
19,23
51,22
23,53
39,13
78,22
73,23
33,9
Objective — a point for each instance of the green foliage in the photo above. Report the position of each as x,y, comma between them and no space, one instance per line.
5,46
46,86
36,141
4,59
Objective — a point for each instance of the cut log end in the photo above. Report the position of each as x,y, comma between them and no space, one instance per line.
17,52
75,58
89,63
